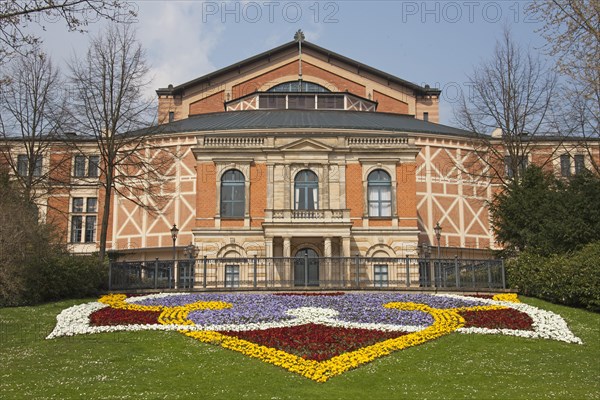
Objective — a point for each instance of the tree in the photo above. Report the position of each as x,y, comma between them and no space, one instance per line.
511,97
545,215
23,241
572,31
108,96
17,15
32,108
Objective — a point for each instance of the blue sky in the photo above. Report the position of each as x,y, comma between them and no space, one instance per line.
434,42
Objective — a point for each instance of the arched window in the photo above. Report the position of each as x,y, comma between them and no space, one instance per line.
299,86
306,190
233,194
379,194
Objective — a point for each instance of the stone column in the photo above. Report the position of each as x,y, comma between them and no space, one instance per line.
287,265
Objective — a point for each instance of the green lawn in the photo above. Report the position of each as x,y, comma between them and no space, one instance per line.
168,365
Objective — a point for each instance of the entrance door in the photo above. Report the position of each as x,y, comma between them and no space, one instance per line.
306,268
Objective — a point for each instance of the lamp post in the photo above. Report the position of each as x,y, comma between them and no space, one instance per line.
174,232
438,235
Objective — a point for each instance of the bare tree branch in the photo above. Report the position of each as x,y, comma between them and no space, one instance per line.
510,105
108,97
572,31
32,108
17,15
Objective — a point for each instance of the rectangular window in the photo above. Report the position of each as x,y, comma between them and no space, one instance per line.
301,102
23,165
579,163
93,163
565,165
171,116
380,275
425,116
277,101
330,102
76,227
508,167
232,275
83,220
90,228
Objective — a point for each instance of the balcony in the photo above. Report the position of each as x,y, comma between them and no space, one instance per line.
323,216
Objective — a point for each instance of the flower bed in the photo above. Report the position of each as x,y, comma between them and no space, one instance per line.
317,335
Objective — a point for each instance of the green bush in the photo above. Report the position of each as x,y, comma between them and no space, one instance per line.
572,279
69,277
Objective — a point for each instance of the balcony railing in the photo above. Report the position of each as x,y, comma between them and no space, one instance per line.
317,216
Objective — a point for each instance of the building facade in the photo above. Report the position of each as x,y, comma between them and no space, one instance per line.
295,151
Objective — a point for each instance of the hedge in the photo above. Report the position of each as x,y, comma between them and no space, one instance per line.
572,279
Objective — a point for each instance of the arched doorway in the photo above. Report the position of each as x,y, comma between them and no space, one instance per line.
306,268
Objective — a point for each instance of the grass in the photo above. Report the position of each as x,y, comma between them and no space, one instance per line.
161,365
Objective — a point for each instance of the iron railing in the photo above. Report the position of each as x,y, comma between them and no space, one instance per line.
305,272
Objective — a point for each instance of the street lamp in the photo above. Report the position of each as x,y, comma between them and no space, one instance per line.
438,235
174,232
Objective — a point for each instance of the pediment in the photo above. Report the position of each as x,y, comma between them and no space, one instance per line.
305,145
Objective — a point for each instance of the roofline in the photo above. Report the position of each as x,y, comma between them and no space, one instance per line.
174,90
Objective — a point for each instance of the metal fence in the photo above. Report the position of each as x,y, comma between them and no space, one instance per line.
306,272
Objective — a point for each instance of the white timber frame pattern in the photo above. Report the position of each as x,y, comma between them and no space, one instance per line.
136,228
449,195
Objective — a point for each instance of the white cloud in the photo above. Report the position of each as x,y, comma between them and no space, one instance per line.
178,44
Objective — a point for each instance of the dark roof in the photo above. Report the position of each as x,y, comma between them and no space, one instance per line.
317,119
174,90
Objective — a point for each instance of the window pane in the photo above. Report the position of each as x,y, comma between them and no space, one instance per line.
385,193
78,204
238,209
79,166
90,229
565,165
92,204
508,166
330,102
93,166
374,209
301,199
386,209
232,275
301,102
226,209
579,163
238,192
373,193
76,222
37,169
22,165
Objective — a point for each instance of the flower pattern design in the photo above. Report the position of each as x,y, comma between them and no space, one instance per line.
317,335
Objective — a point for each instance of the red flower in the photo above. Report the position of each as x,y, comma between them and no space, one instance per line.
114,316
315,342
497,319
